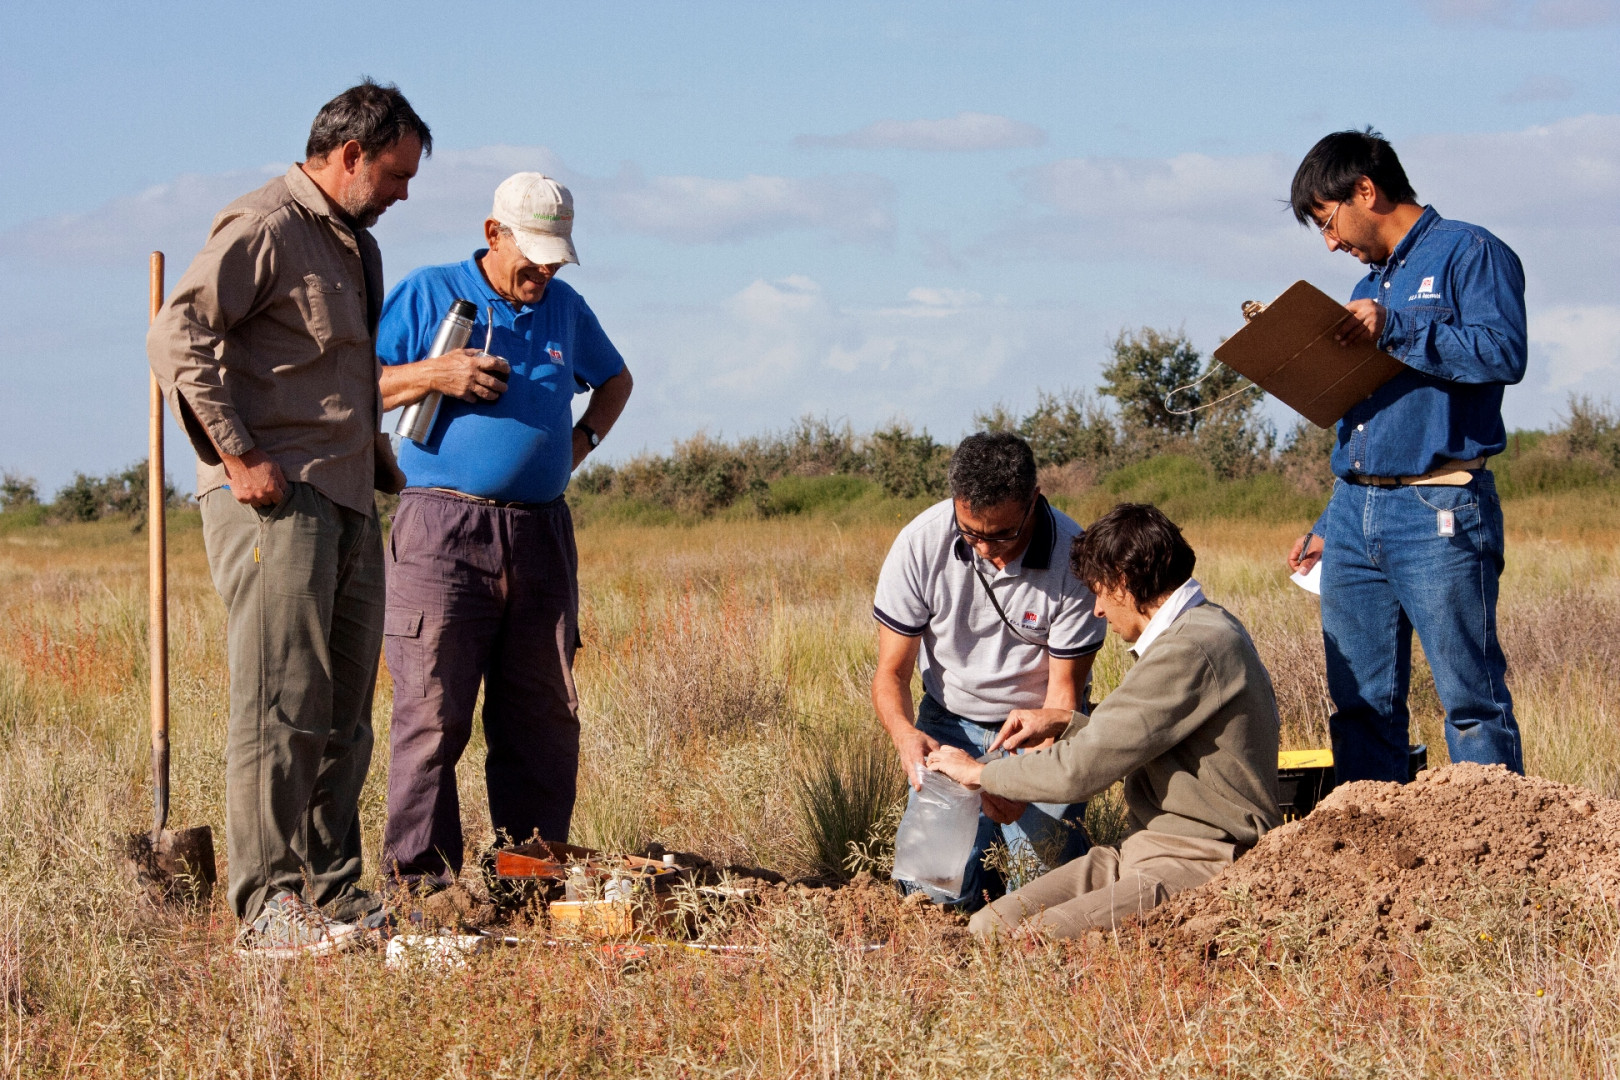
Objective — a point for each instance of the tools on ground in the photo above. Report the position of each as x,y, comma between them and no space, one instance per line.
1304,777
601,896
172,865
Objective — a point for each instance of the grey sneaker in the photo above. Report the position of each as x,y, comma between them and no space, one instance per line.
354,905
288,928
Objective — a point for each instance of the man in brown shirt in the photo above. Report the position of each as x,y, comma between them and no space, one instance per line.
1192,729
265,352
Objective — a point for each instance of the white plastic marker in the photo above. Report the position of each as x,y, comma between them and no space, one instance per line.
1310,580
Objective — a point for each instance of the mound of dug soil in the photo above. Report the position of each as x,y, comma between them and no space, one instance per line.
1375,861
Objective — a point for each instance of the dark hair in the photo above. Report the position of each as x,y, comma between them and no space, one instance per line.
1134,547
375,116
1330,171
992,468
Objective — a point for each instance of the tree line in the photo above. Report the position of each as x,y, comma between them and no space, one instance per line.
1157,397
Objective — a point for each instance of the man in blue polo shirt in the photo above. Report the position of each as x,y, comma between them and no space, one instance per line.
482,567
1412,538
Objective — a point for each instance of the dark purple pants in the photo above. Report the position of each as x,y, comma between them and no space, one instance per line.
479,593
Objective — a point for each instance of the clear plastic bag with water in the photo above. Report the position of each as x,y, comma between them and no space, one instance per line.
935,838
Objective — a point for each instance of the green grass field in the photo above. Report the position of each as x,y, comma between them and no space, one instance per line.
727,664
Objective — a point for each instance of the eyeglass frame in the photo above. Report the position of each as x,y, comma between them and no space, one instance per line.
995,541
1328,224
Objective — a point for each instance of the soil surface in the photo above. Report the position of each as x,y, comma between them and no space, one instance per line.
1378,861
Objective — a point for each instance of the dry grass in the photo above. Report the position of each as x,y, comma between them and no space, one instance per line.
721,660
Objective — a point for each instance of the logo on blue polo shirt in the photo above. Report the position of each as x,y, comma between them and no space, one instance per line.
554,351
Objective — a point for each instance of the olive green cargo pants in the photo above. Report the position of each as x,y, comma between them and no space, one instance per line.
303,586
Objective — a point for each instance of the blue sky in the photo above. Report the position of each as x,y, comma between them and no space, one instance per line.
862,211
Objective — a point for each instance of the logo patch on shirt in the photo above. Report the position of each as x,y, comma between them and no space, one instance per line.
554,351
1030,620
1425,290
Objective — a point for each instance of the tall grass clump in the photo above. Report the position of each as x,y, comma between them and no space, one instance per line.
847,783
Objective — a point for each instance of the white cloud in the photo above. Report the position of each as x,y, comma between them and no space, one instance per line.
696,209
929,302
1221,213
170,216
451,197
964,131
778,349
1551,191
1578,346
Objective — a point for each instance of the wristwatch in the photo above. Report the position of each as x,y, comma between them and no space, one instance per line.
590,435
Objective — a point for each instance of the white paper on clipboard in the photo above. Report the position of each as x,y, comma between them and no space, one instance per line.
1311,580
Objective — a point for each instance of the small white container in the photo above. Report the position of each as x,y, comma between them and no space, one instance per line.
434,950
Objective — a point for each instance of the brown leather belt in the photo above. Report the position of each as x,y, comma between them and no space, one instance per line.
1446,474
481,501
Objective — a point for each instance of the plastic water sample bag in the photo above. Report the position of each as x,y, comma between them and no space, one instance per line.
935,839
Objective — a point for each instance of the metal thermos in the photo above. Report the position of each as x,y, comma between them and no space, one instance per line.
416,422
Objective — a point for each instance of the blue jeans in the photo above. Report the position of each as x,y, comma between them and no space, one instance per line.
1388,568
1051,834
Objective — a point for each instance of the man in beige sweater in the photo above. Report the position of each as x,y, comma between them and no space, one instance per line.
1192,729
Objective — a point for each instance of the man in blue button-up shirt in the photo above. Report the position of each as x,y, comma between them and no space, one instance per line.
1412,538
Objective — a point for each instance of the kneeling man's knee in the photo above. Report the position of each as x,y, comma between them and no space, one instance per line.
988,922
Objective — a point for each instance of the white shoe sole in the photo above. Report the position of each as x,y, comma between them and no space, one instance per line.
341,937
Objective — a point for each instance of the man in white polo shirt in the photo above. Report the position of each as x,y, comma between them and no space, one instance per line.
977,592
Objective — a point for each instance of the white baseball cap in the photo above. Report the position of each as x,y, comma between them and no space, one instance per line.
540,213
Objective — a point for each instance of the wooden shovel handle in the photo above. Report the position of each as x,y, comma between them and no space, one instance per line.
157,580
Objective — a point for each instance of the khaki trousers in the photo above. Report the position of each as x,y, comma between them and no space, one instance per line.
303,588
1106,885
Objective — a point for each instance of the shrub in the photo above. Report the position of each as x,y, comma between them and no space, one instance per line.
1583,450
1305,458
802,494
1064,428
121,494
907,466
18,492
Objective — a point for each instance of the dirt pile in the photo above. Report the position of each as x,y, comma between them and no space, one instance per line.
1377,861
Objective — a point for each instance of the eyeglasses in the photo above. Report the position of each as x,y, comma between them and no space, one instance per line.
1005,538
1328,224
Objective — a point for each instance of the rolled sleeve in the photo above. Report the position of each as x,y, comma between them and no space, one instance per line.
225,284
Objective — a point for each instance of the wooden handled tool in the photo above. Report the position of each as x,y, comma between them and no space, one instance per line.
170,864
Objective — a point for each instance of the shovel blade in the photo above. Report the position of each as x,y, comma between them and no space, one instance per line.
175,867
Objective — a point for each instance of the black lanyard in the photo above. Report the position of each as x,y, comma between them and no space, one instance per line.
1017,633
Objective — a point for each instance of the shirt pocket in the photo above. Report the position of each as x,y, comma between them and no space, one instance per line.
335,310
1427,314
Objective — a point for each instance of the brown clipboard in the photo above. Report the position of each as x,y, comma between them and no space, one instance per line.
1290,352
